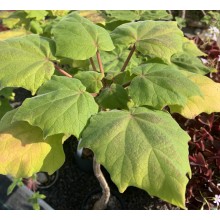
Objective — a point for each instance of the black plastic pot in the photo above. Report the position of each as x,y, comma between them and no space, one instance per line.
85,164
45,180
115,202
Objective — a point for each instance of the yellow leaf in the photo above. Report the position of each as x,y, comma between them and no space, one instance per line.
23,151
12,33
5,14
94,16
196,104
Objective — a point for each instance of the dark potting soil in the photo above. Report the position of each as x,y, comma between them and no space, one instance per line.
74,186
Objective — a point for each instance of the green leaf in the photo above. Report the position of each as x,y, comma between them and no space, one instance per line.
142,148
58,13
37,14
113,97
191,48
195,105
123,78
16,18
35,27
78,38
23,151
35,204
131,15
158,85
111,24
25,62
123,15
157,38
119,77
4,107
185,61
180,21
48,25
34,199
16,182
62,106
10,22
91,80
81,64
155,15
8,93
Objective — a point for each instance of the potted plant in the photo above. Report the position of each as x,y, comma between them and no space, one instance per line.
117,101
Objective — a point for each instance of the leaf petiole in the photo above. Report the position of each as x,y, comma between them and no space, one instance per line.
93,64
100,63
128,58
62,71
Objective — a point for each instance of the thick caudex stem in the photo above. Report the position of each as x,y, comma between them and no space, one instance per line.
102,203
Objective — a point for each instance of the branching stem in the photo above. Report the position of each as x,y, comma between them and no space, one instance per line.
62,71
128,58
102,203
100,63
93,64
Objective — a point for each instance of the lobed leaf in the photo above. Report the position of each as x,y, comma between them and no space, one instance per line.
58,13
62,106
142,148
113,97
133,15
190,63
158,85
78,38
91,80
158,38
37,14
26,62
121,78
23,151
10,22
191,48
15,19
155,15
124,15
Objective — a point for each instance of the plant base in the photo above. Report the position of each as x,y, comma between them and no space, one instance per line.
115,202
